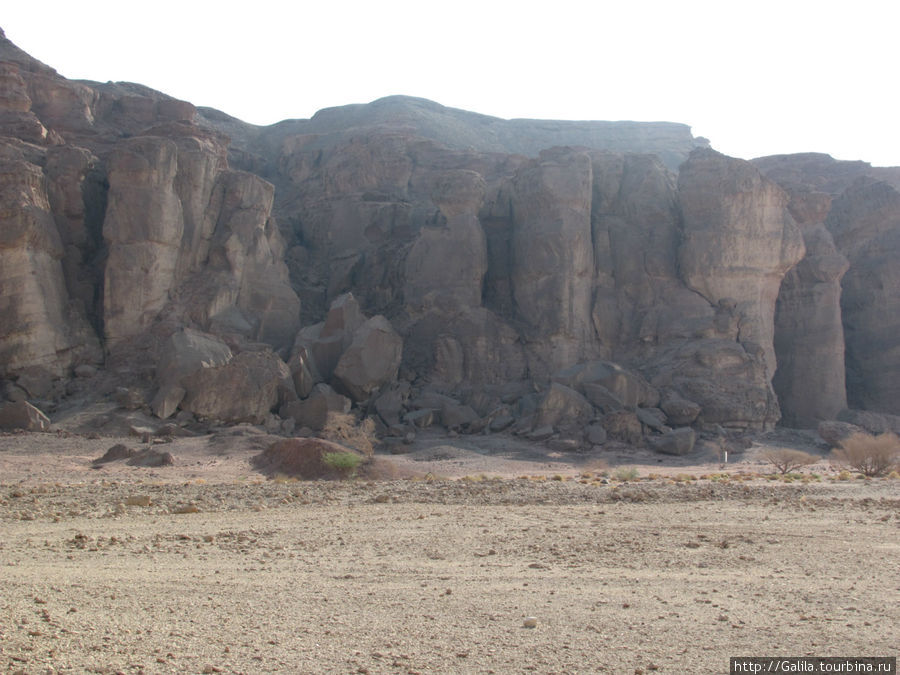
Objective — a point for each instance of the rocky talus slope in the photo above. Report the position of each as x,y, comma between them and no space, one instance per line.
576,282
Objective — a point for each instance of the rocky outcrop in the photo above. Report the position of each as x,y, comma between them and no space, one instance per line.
446,264
552,257
182,230
865,223
536,274
828,349
22,415
39,326
809,336
142,229
739,241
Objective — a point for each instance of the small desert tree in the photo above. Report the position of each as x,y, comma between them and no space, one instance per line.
785,460
870,455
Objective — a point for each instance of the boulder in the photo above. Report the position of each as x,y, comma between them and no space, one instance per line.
371,360
833,432
562,405
624,426
301,373
472,347
165,402
501,422
22,415
151,458
728,380
114,454
873,422
420,418
673,442
327,341
625,385
652,418
390,403
313,411
679,411
431,399
187,351
457,416
601,397
245,389
595,434
541,433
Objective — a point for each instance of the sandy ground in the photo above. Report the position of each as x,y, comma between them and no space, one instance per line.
206,566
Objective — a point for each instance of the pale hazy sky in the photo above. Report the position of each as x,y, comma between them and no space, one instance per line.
756,78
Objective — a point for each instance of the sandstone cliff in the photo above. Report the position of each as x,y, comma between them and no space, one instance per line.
431,265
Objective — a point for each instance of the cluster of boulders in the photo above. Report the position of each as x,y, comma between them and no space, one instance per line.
584,407
333,364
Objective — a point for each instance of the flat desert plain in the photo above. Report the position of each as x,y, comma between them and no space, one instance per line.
207,566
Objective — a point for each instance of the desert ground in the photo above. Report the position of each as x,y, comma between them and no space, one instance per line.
434,565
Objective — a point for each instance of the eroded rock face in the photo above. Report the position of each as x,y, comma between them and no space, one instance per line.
183,230
39,327
446,265
865,223
739,241
809,336
639,299
497,253
143,228
552,256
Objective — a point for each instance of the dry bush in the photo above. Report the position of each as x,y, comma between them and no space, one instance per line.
786,460
596,466
870,455
625,473
345,429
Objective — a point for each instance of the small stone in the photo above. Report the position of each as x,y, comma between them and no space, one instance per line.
530,622
138,500
190,508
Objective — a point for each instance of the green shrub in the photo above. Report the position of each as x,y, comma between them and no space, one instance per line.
345,463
